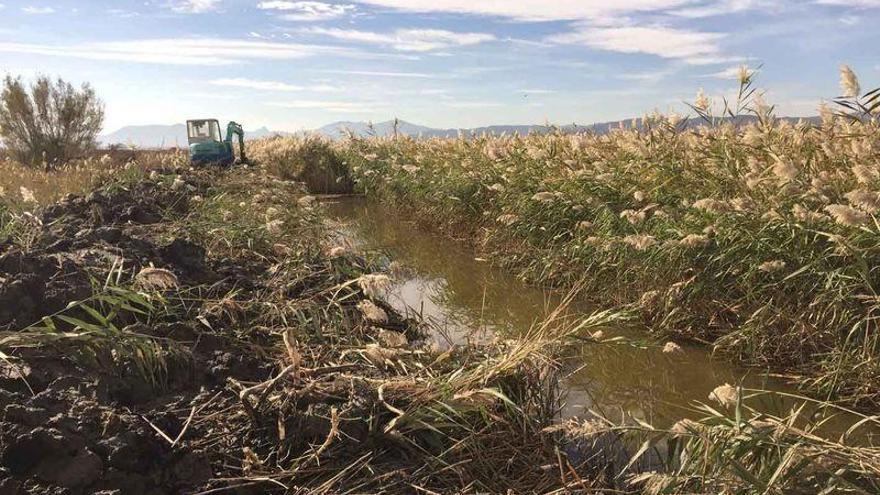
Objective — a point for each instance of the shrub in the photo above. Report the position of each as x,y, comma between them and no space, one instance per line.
50,122
311,159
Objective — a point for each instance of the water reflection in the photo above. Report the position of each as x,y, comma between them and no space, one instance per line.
459,293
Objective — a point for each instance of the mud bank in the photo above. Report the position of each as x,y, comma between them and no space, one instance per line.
192,332
74,404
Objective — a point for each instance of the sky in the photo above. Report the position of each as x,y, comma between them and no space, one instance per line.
293,65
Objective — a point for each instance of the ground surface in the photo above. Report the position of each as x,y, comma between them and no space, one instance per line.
190,332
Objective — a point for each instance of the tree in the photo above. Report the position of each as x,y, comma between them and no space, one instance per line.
48,123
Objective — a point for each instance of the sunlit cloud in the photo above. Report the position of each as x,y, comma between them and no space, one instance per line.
306,11
851,3
650,76
370,73
272,85
33,10
330,106
175,51
730,73
194,6
533,10
695,47
727,7
411,40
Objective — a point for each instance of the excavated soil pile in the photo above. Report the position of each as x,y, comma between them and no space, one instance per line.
178,334
70,428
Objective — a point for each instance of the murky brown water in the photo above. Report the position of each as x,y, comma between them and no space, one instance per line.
468,299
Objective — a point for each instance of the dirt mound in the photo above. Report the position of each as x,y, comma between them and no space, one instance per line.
65,432
186,333
81,236
67,437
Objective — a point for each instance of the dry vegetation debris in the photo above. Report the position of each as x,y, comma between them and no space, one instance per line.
159,337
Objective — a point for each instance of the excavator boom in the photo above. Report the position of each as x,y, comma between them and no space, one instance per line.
235,128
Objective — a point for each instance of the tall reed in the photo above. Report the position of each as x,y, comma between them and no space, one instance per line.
736,228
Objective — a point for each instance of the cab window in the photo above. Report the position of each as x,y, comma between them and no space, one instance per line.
200,131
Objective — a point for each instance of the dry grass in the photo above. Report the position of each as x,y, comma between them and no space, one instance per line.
23,189
328,403
28,186
759,236
734,448
311,160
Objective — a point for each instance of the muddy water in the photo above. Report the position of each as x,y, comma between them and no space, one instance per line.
467,299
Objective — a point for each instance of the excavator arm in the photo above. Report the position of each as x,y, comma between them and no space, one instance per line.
235,128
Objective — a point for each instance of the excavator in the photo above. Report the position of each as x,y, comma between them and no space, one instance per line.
207,145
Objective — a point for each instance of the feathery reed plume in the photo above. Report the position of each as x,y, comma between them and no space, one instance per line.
849,82
374,284
372,312
672,348
847,215
151,278
727,395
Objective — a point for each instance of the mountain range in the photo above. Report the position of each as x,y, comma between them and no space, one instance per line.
163,136
168,136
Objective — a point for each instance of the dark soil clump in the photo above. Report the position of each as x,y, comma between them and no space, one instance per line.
70,428
188,332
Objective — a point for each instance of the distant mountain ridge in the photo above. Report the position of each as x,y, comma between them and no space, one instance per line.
167,136
387,128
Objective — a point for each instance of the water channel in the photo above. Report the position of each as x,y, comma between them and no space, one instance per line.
466,298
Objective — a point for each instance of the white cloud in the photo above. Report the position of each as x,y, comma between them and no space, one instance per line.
726,7
533,10
272,85
695,47
331,106
175,51
729,73
194,6
851,3
410,40
306,11
32,10
370,73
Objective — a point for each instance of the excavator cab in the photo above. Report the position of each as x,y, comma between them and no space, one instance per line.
207,145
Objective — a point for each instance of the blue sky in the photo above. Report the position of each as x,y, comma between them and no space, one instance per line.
293,65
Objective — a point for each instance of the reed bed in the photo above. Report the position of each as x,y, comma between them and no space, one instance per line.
24,185
308,159
734,448
750,233
753,234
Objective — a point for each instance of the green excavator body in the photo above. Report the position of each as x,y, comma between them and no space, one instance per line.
207,146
